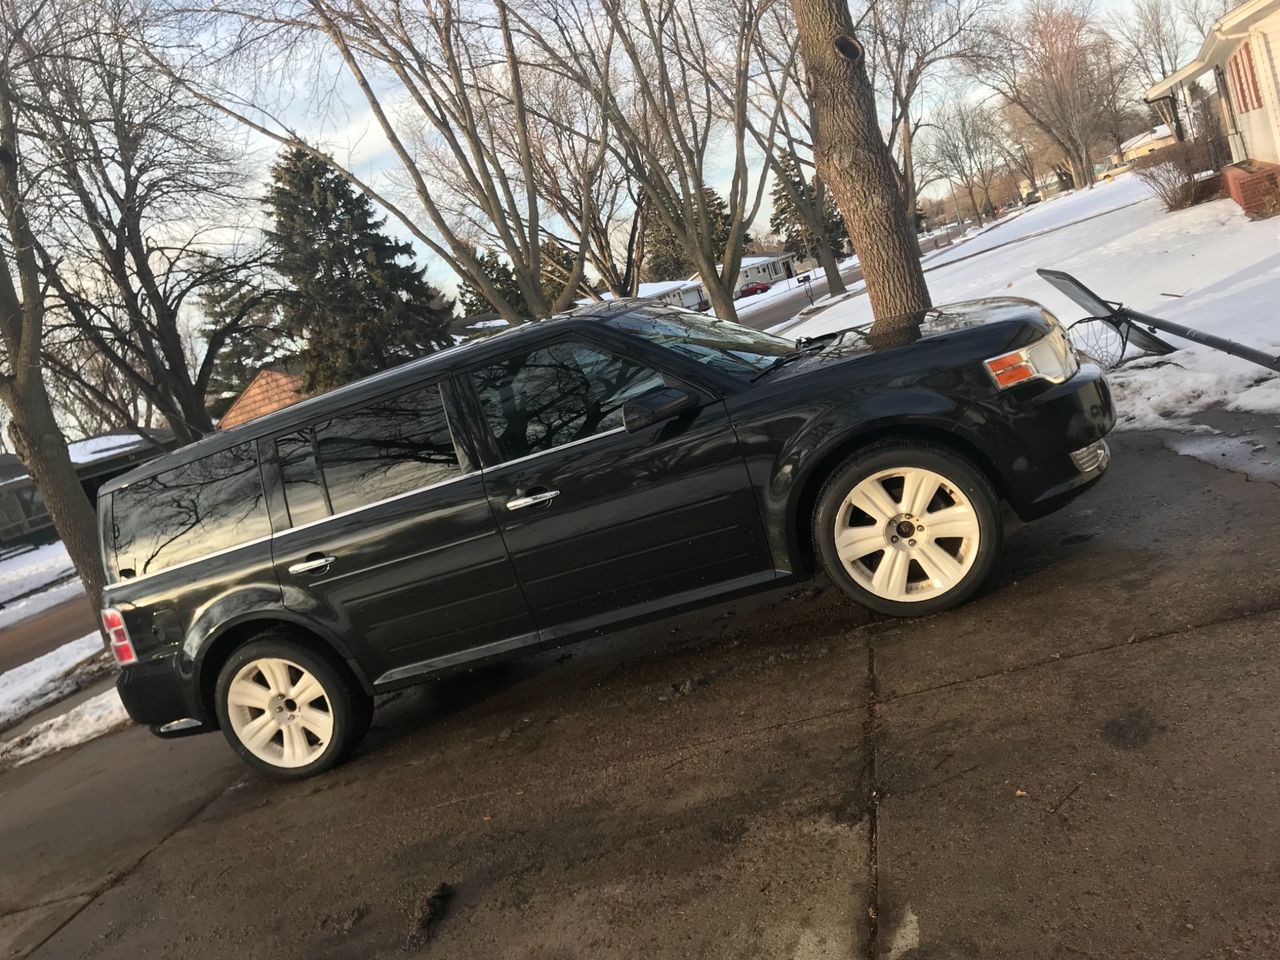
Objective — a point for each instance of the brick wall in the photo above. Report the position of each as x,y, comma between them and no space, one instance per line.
1255,186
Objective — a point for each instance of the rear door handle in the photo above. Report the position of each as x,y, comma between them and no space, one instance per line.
519,503
314,562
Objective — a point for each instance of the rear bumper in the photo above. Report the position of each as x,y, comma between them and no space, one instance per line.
156,693
1047,439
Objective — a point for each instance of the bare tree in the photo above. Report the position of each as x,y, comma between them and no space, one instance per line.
963,144
446,85
30,33
913,42
1050,59
855,162
1155,41
1201,15
678,90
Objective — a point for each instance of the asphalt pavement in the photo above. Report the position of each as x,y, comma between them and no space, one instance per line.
1079,763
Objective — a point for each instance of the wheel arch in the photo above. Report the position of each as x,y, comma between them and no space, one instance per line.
805,498
217,650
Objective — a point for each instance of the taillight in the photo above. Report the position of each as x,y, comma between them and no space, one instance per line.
118,636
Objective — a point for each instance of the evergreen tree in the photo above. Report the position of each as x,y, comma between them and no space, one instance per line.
799,236
354,304
664,256
499,272
557,264
250,324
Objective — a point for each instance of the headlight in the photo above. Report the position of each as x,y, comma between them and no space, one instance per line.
1049,358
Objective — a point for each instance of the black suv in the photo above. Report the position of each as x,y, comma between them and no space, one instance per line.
567,478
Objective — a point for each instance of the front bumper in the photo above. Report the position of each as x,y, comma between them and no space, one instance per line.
1046,439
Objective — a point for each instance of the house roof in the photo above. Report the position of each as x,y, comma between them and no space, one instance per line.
1158,132
1225,31
270,390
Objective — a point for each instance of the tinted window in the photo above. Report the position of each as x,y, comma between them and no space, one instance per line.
190,511
558,394
303,492
388,448
717,343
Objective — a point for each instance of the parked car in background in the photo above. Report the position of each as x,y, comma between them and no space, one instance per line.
752,288
567,478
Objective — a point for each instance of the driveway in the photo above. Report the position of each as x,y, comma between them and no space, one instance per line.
1079,763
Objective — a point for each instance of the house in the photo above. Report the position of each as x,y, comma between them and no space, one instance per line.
1149,141
269,390
1242,52
678,293
97,459
769,268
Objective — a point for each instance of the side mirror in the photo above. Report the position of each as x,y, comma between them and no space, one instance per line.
656,406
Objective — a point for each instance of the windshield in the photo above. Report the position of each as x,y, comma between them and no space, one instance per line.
726,346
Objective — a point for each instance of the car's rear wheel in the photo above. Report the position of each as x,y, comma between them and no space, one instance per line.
288,711
907,530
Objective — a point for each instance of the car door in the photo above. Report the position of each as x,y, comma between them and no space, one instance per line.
603,524
390,540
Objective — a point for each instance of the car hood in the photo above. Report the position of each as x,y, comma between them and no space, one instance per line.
956,319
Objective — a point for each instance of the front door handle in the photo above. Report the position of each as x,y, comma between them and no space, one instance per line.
316,561
519,503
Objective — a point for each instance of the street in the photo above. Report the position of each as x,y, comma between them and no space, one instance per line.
1078,763
776,305
46,631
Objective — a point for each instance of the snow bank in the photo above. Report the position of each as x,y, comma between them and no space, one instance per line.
19,610
94,718
1208,267
26,571
46,679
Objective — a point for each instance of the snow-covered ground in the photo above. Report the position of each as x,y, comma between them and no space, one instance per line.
1208,267
48,678
87,721
26,573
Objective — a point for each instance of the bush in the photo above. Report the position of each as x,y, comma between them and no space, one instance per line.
1171,172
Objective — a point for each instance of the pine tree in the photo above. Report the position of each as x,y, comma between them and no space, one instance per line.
499,272
665,257
253,328
799,236
355,304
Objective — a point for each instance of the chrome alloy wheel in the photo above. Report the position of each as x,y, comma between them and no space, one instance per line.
280,712
907,534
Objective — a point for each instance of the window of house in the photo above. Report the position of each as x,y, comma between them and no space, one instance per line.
557,394
388,448
182,514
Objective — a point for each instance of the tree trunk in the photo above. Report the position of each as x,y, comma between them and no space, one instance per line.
854,162
973,202
39,444
830,267
721,301
909,181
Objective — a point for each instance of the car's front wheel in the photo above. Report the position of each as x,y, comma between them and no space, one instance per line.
907,530
286,710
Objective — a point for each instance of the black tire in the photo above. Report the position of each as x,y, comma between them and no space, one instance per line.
958,472
349,707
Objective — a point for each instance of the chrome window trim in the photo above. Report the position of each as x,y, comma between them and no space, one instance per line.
377,503
367,506
122,581
563,446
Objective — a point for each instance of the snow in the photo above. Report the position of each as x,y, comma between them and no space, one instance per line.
98,448
39,682
487,324
29,571
39,602
26,571
1208,267
87,721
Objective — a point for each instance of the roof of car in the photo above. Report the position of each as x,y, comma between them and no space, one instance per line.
367,388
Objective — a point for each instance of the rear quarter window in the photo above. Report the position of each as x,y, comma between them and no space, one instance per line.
188,512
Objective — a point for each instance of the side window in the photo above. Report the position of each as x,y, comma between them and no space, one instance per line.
390,447
557,394
188,512
303,492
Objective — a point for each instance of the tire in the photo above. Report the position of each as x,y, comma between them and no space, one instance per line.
928,572
298,739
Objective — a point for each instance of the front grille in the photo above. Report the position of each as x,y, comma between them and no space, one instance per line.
1093,457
